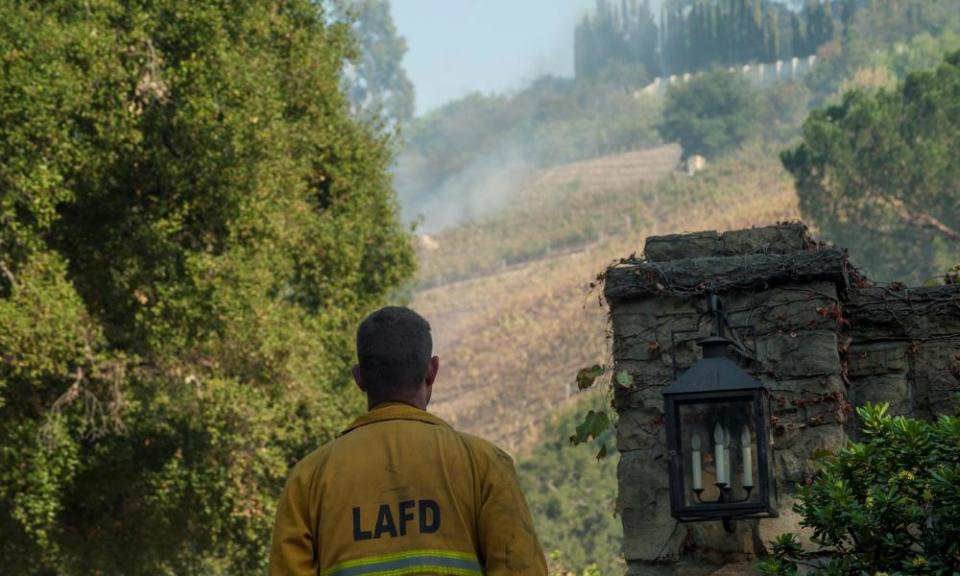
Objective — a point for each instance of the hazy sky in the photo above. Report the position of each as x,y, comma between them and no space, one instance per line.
460,46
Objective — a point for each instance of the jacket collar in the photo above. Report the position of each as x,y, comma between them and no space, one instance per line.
394,411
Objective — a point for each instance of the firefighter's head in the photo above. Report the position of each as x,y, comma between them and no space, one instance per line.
394,350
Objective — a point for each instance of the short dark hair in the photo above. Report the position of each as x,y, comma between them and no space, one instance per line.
393,349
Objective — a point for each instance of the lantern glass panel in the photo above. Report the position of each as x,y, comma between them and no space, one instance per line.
724,430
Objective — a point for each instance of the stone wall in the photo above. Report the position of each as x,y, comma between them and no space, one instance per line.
904,347
824,339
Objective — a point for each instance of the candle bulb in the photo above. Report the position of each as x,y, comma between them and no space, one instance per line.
727,468
697,460
718,455
747,453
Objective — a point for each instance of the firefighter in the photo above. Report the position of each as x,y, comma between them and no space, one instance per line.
399,491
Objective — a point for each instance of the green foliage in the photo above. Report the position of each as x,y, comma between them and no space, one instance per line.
887,505
376,82
877,174
818,26
712,114
923,51
597,422
191,224
572,497
900,35
587,376
846,35
594,424
697,34
615,36
888,22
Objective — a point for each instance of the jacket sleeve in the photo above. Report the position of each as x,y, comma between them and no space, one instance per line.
292,550
508,543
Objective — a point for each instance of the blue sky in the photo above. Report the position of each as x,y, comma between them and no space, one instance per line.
461,46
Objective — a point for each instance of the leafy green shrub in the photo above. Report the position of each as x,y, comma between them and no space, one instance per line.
712,114
887,505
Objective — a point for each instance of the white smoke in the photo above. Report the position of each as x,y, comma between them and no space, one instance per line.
485,187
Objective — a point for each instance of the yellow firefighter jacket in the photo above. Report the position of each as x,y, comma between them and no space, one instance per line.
401,492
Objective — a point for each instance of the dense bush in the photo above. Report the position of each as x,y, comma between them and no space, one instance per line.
712,114
889,504
191,224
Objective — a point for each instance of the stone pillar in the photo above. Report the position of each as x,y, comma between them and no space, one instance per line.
787,289
824,339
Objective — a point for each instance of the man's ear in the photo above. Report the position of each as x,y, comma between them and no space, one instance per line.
358,378
432,368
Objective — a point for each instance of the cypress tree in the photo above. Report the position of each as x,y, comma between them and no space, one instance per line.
772,35
797,41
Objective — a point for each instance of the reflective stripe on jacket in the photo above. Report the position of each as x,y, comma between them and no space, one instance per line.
401,492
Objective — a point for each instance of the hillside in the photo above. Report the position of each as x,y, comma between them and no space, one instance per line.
511,334
559,209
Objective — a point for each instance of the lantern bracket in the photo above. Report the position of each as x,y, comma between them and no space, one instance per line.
725,497
721,328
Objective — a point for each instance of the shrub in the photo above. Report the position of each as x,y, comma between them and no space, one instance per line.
887,505
712,114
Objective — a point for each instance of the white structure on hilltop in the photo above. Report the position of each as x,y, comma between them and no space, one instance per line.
763,74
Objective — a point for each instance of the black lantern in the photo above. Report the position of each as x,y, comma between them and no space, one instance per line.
718,437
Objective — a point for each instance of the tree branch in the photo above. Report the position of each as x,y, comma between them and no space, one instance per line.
8,273
919,219
71,393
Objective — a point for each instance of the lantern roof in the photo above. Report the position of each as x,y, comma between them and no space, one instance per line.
713,373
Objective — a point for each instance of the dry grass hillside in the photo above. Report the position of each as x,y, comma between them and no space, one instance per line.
511,335
557,210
